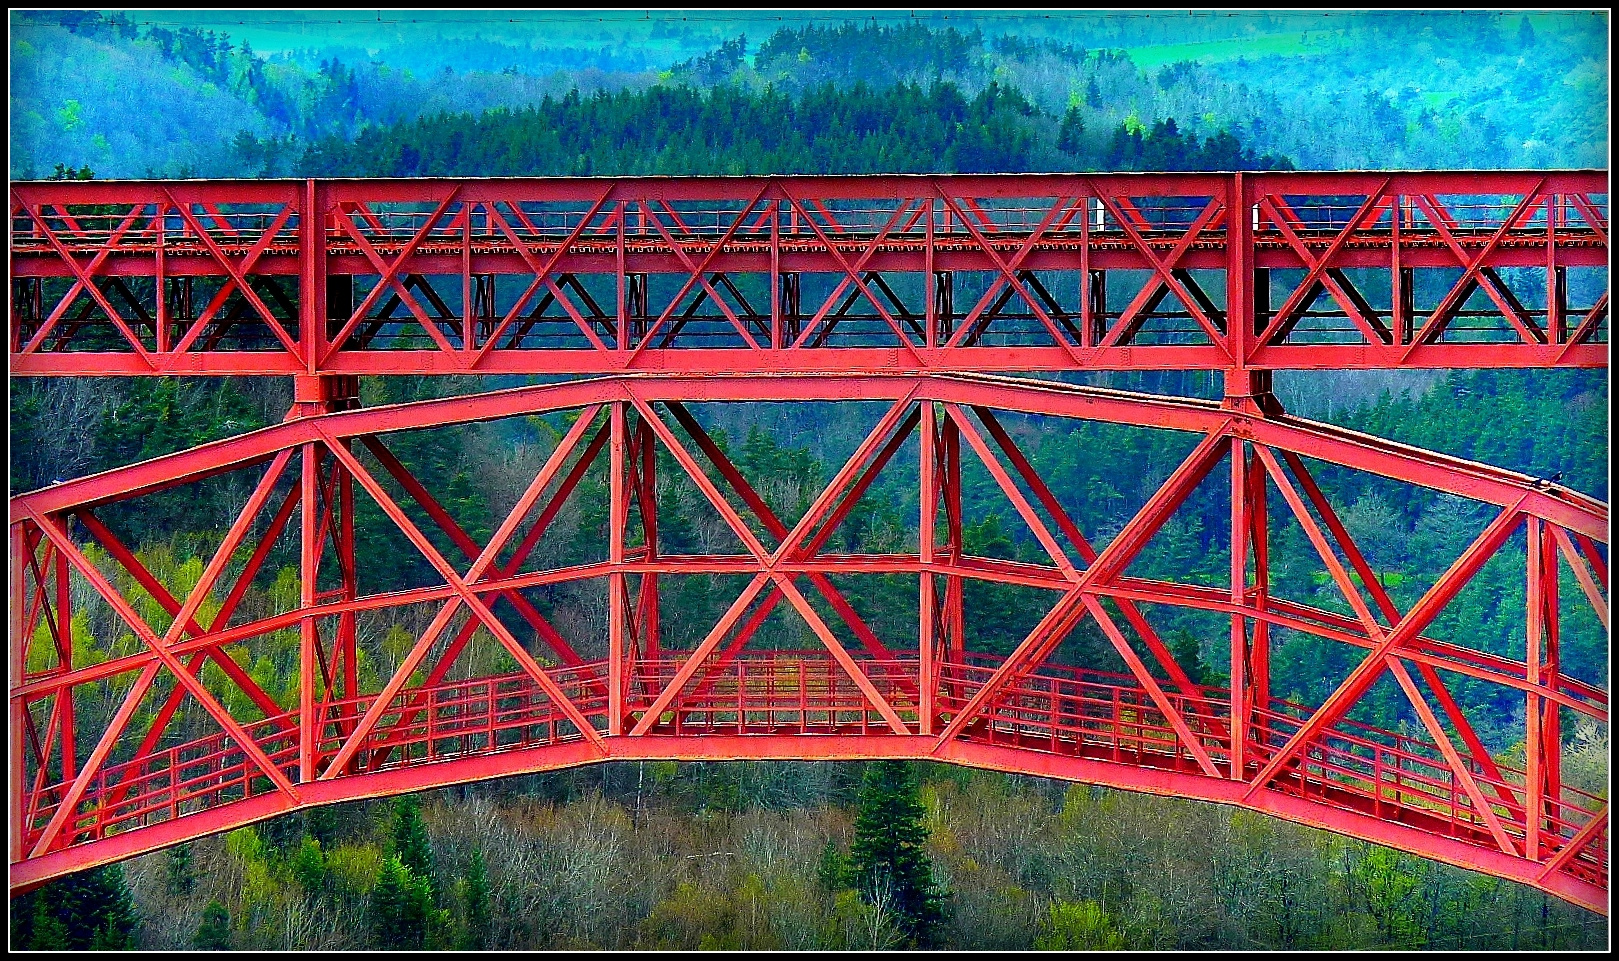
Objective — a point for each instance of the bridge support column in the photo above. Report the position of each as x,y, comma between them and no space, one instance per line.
1543,737
1250,642
928,496
330,671
314,394
1249,391
617,596
646,495
954,619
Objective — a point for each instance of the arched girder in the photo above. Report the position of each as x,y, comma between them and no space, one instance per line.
1293,761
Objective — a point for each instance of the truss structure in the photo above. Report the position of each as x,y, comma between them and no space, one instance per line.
142,714
875,274
178,733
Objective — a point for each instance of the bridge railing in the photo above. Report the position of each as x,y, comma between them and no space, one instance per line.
1057,709
173,782
1077,710
541,222
464,718
808,692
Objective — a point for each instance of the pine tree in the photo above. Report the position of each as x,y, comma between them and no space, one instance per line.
410,841
181,875
477,902
49,933
89,910
308,865
1526,34
832,873
889,835
213,934
399,907
1069,133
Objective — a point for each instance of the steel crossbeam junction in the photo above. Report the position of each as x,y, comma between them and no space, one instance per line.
152,702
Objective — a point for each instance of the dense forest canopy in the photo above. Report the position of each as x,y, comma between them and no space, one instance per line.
1350,90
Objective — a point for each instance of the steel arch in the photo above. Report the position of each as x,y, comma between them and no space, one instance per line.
1150,728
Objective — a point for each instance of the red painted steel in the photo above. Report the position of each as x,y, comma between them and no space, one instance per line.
1012,272
103,767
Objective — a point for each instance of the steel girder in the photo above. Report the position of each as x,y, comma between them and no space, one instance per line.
908,274
177,732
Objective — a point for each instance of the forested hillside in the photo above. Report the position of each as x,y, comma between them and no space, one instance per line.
758,855
144,96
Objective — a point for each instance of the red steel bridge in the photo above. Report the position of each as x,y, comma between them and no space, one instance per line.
911,299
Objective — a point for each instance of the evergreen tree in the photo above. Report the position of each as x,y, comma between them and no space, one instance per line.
90,910
213,934
477,902
181,875
832,873
399,907
1070,131
410,842
308,865
49,933
1526,34
889,835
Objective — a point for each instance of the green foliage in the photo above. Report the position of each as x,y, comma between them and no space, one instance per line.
1071,130
1386,885
1084,926
887,851
399,908
354,868
213,934
475,895
49,933
832,871
682,130
308,866
410,842
181,876
89,910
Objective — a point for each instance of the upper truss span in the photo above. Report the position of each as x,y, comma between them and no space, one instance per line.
893,273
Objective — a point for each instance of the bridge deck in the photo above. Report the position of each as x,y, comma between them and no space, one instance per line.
507,724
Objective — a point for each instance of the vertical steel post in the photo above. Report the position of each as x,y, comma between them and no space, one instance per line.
1259,537
1533,750
1555,334
1240,529
618,515
775,275
1239,300
928,297
19,666
623,315
1399,315
159,283
308,570
346,631
312,278
955,615
648,499
1551,722
928,499
63,603
1087,334
466,278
